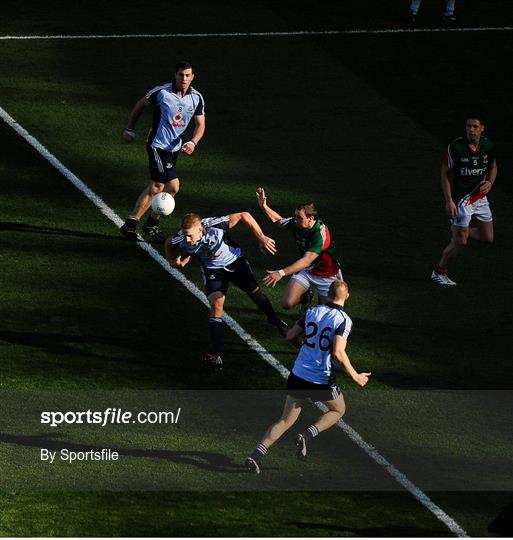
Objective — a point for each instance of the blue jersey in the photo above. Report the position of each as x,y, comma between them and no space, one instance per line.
321,323
172,115
213,249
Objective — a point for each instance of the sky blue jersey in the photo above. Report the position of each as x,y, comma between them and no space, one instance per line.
172,115
213,249
321,323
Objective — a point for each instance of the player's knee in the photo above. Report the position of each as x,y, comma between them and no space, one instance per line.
256,294
340,411
338,407
487,238
216,305
287,303
173,187
460,241
156,188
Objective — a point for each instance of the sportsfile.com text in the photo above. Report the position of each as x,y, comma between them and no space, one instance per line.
111,415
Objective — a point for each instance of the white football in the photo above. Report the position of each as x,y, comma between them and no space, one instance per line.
163,203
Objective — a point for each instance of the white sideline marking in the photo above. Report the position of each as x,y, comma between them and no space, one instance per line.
298,33
234,325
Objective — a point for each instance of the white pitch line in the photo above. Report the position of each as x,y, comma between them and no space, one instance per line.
298,33
235,326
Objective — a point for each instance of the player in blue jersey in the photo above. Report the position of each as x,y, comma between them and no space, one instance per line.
222,263
175,105
326,329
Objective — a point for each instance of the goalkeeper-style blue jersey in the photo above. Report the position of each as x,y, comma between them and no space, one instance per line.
321,323
214,249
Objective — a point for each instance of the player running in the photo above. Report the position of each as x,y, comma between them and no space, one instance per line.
317,266
326,328
469,170
175,105
222,262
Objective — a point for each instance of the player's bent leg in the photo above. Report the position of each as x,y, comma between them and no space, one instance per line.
291,412
172,187
336,409
483,231
128,229
151,227
293,293
459,239
144,201
216,301
264,305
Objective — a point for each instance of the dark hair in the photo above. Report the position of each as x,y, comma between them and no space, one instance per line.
309,208
476,116
184,64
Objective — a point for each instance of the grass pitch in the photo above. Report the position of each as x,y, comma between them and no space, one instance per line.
357,123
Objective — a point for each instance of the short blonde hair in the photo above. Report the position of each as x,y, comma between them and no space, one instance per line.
189,220
338,289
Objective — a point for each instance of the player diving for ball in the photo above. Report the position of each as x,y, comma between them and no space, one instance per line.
222,262
317,265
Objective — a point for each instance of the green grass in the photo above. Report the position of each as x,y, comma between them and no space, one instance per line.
356,123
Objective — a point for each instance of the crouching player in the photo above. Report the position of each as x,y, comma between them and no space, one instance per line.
326,330
222,262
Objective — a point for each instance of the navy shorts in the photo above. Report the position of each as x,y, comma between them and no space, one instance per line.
238,272
299,388
162,164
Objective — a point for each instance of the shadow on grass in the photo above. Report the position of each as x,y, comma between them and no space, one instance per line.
25,227
209,461
56,231
369,531
70,344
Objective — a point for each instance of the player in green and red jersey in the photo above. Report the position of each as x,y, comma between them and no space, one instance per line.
469,170
317,265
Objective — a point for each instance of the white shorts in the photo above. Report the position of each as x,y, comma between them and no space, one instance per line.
321,283
479,210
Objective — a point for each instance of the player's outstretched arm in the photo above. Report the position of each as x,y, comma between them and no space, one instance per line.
129,133
268,211
265,243
174,256
273,276
339,351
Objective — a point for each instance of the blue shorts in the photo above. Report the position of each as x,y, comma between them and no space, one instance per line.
238,272
162,164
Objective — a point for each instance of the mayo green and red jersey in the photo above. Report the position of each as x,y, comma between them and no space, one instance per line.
317,240
469,168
